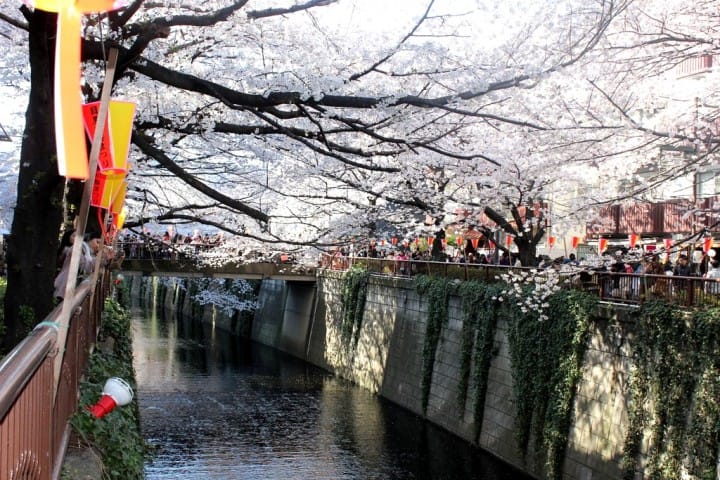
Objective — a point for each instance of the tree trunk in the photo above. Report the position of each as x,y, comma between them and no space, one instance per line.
527,252
33,241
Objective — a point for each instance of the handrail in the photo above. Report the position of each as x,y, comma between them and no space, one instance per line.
18,367
616,287
36,398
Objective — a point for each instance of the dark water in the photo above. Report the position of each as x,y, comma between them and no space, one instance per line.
216,408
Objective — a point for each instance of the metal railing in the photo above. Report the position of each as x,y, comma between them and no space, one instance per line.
35,403
630,288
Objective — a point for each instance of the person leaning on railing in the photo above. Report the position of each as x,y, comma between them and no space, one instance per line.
712,282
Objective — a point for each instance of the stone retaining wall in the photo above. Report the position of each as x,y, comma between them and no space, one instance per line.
388,360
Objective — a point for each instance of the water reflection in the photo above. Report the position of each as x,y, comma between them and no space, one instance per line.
216,408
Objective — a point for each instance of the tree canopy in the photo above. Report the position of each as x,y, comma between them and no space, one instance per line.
307,122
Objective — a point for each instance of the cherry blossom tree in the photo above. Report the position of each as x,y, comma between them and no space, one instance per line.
305,123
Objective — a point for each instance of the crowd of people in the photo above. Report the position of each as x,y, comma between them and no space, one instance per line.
168,245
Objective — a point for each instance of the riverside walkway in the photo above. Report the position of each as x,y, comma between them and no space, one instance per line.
626,288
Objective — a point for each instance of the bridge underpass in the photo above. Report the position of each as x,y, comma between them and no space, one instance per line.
185,268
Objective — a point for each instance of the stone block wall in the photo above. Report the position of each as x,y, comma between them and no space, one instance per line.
388,360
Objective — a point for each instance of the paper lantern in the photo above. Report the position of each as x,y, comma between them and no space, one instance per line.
551,241
575,242
116,393
105,189
475,242
633,239
69,136
602,245
115,143
119,199
81,6
118,220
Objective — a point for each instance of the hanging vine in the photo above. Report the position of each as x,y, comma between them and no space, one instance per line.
437,292
479,309
355,284
547,358
676,370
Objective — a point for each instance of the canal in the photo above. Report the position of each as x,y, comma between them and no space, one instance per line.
214,407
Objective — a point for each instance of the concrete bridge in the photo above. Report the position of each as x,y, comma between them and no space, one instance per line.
189,268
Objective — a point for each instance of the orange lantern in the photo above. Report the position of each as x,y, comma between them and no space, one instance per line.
394,240
632,240
551,242
430,240
475,242
602,245
575,242
459,240
707,244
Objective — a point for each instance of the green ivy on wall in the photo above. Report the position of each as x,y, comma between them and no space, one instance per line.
547,358
479,319
674,393
354,293
436,290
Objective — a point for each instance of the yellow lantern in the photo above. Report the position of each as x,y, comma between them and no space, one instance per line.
105,188
115,143
119,199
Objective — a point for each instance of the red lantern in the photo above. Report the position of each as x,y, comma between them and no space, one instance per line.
602,245
394,240
508,240
459,240
632,239
475,242
575,242
707,244
430,240
668,243
551,241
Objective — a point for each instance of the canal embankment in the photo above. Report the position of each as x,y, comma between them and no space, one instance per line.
387,353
